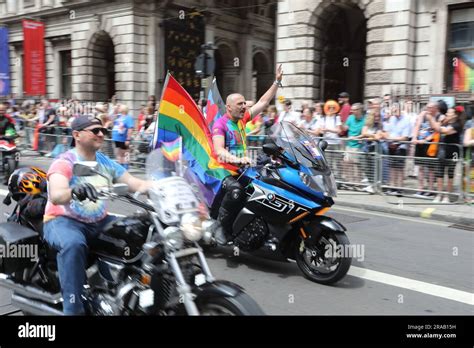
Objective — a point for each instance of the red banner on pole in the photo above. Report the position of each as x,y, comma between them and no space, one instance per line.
34,63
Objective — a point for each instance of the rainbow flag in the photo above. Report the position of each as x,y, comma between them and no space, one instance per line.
463,77
179,116
215,108
172,150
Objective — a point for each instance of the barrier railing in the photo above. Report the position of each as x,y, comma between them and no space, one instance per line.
54,141
358,164
469,180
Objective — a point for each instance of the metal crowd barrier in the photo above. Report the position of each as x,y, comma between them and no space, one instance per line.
378,167
57,140
469,174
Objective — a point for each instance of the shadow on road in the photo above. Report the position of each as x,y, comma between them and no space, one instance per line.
281,269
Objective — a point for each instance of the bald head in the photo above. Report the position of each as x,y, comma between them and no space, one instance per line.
235,106
432,108
231,98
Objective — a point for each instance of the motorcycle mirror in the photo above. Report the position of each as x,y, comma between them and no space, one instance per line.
120,189
271,149
85,168
323,145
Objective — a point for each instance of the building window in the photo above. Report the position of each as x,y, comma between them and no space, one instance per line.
460,55
66,84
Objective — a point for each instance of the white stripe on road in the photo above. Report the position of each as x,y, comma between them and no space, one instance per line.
414,285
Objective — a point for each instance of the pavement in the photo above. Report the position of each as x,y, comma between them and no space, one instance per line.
457,213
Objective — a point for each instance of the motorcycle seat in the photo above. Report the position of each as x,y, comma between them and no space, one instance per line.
13,233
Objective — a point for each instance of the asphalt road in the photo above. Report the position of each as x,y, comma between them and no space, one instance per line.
409,267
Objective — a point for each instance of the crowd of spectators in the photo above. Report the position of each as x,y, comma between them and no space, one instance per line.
423,142
407,136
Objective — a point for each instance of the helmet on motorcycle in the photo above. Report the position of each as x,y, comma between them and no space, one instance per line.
27,181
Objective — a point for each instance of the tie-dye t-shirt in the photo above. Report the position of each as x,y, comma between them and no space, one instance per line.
85,211
234,134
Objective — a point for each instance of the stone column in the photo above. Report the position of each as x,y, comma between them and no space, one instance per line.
246,57
152,54
12,7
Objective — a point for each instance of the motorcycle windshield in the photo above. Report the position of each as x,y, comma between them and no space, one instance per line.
174,194
301,148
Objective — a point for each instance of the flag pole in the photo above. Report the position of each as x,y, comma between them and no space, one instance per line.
180,158
155,134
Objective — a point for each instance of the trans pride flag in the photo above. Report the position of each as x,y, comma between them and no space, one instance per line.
215,108
179,116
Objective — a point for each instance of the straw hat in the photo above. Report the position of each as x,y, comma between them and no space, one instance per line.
331,103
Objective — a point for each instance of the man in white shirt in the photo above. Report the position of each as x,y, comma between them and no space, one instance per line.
288,115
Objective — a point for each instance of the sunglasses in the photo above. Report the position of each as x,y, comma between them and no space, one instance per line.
96,131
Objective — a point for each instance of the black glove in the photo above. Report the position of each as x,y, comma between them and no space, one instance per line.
85,191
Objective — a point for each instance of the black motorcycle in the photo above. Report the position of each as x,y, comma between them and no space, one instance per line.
146,264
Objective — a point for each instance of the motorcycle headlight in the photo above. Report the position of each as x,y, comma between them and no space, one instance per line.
305,179
174,237
191,226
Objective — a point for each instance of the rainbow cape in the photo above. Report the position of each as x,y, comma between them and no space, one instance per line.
180,116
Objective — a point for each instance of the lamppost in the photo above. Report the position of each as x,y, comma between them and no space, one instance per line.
205,65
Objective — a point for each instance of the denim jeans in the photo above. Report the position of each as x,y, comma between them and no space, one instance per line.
71,239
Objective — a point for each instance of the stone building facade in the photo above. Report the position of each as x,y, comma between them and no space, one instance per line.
373,47
97,48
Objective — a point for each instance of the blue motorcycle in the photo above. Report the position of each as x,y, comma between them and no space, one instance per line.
286,200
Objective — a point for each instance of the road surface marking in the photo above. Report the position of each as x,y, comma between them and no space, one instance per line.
414,285
426,214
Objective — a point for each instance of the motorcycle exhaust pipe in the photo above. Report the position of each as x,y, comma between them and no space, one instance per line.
29,291
32,307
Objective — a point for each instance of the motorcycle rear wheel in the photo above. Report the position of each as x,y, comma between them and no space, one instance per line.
242,304
309,259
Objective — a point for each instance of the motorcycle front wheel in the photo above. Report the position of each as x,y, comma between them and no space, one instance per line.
326,262
242,304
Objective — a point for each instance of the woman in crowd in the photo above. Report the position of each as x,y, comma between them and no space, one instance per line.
450,127
329,127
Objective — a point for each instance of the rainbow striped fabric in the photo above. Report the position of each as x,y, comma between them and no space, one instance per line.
179,116
172,150
463,77
215,108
